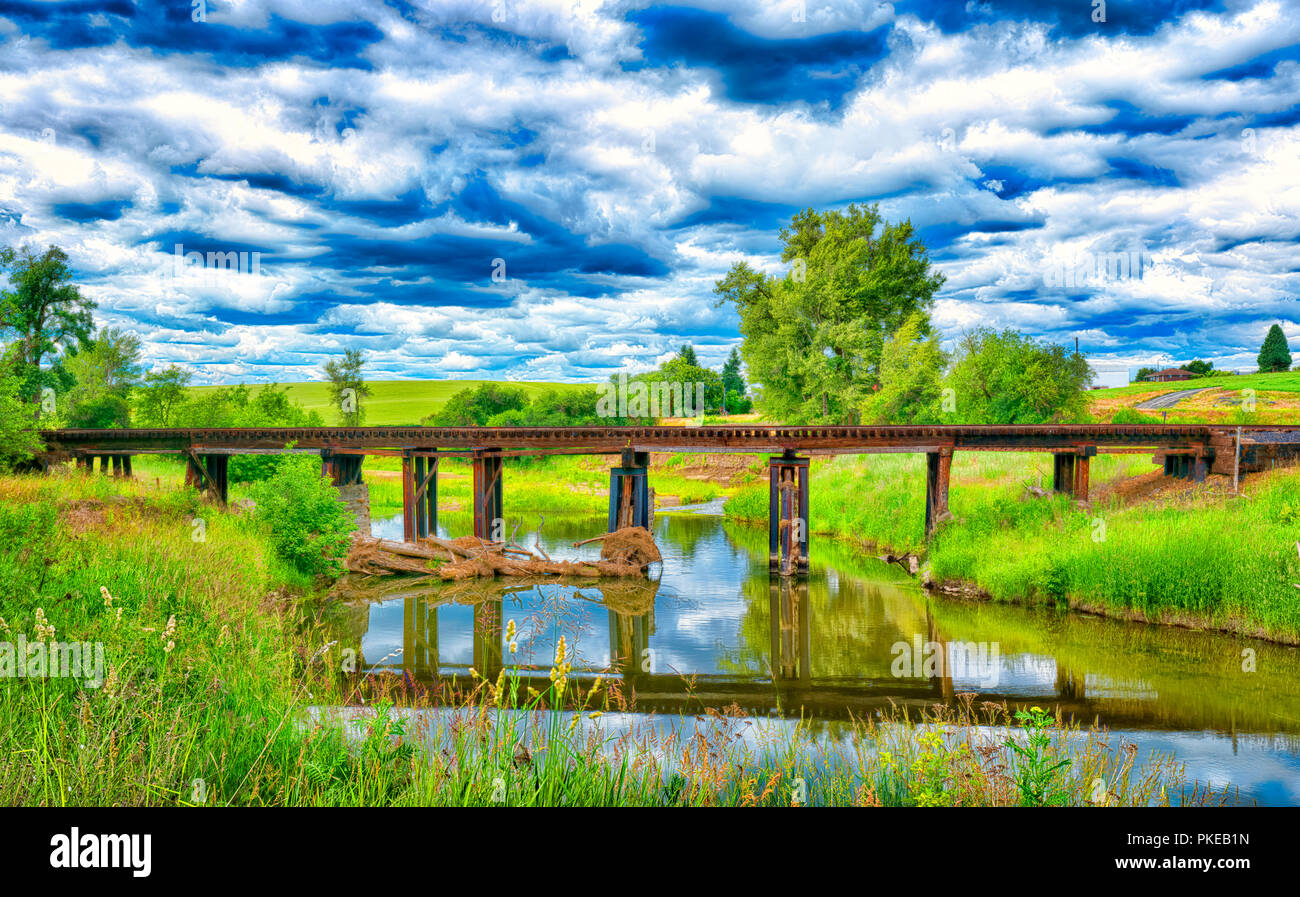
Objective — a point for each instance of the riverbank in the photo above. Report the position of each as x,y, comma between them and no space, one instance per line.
216,665
1147,548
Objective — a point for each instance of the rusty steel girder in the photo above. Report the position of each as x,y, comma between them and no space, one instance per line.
728,438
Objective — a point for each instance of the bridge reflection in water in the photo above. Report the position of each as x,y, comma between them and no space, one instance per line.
448,630
715,628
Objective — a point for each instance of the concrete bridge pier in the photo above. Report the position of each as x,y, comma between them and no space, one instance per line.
489,492
419,494
787,528
629,492
938,469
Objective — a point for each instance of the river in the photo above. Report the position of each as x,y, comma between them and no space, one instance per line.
710,627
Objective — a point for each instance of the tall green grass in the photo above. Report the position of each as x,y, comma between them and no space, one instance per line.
1229,562
1223,562
220,680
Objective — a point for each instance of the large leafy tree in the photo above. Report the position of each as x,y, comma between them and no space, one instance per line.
1274,355
104,373
911,366
18,436
42,312
163,395
1009,378
347,386
814,337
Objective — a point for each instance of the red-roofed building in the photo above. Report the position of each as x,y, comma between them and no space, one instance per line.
1170,374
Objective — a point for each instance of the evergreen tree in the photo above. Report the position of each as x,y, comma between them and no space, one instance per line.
1274,355
732,381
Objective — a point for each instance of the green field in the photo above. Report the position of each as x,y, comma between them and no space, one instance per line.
1284,381
397,402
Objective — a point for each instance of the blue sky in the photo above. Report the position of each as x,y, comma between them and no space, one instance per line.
380,162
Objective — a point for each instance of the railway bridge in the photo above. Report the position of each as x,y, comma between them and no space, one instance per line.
1186,451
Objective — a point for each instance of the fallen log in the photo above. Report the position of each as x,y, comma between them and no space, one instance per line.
624,553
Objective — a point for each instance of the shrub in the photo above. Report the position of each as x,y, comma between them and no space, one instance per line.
310,526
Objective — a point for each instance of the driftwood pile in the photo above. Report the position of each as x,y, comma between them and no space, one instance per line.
626,552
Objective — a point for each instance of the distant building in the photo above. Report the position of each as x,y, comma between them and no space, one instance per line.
1170,374
1106,375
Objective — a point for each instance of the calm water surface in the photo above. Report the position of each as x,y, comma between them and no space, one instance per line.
711,628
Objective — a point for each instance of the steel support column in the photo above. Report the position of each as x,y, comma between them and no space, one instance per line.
209,474
1081,472
409,530
341,469
1070,471
489,492
787,478
1063,472
938,468
629,492
217,467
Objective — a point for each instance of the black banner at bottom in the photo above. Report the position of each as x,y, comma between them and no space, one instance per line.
142,848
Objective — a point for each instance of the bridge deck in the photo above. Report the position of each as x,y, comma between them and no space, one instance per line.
1187,451
730,438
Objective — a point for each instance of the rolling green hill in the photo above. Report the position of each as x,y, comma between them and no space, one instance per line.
397,402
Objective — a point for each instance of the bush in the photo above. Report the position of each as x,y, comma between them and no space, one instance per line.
310,526
475,407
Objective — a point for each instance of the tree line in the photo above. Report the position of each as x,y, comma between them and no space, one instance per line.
845,336
503,405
